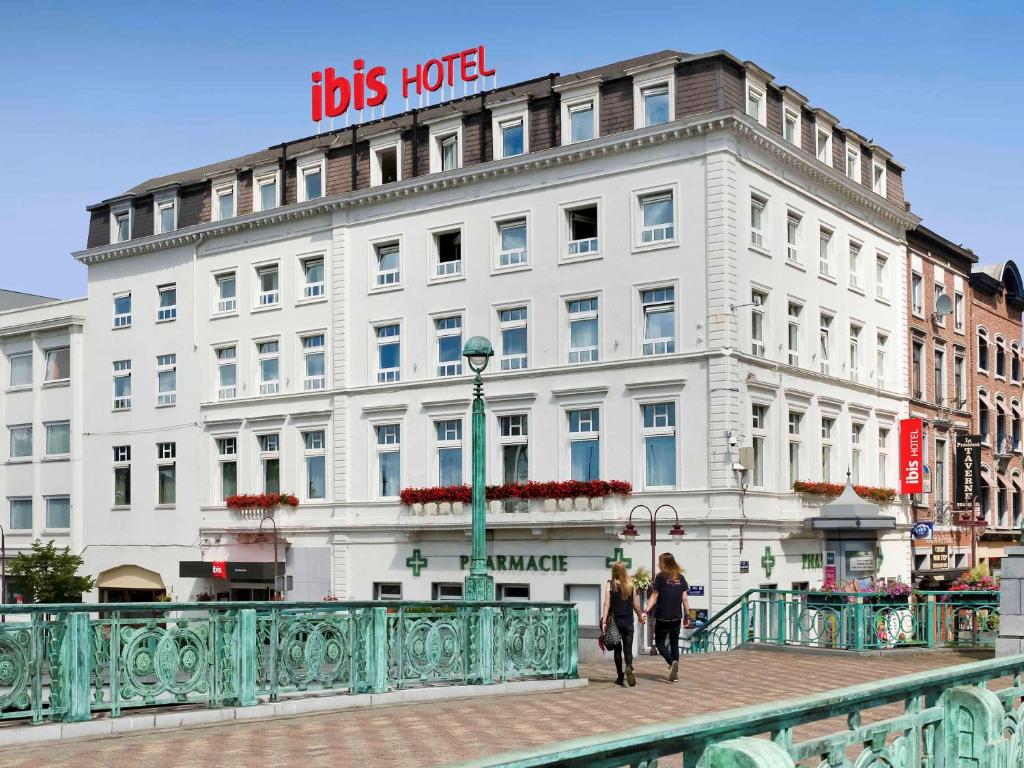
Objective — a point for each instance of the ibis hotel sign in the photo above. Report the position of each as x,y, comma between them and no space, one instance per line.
911,456
333,95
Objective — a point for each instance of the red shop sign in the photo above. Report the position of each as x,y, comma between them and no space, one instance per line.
219,569
911,456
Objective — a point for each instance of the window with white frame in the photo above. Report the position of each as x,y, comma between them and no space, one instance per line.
793,237
389,460
386,165
881,276
270,461
227,460
122,475
389,352
57,361
512,323
226,292
878,179
659,442
448,252
268,286
658,306
758,332
982,350
582,225
268,362
939,481
854,264
1015,362
122,310
166,379
881,344
883,455
58,513
855,352
449,451
959,379
312,182
449,345
314,454
314,371
938,289
386,592
166,217
828,425
1000,357
583,330
939,375
513,137
122,385
166,471
917,369
823,146
757,220
657,218
446,592
448,151
266,192
227,372
514,441
755,103
224,202
388,257
791,125
167,303
122,227
824,343
759,435
21,369
58,438
656,106
795,429
313,278
794,314
21,441
856,434
825,251
512,243
853,162
20,514
581,121
917,294
958,311
584,444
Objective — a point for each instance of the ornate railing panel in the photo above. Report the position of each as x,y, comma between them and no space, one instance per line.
946,717
69,661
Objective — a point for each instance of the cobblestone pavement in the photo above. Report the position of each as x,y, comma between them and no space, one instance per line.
441,732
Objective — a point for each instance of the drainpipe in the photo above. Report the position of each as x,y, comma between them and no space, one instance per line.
483,127
284,174
354,158
195,293
415,144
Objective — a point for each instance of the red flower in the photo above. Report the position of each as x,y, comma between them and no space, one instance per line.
566,489
261,500
877,495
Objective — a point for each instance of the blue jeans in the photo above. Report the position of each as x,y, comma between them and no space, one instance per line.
666,639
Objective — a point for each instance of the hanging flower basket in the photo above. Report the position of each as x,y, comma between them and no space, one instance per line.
832,490
568,489
242,502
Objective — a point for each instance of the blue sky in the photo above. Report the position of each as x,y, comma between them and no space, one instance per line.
96,97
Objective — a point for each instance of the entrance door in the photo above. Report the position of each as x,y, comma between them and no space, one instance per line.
249,593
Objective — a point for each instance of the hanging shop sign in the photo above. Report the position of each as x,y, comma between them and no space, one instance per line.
911,456
545,563
332,95
923,531
219,569
967,465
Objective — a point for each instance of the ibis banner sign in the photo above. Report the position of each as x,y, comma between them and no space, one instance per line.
967,465
911,456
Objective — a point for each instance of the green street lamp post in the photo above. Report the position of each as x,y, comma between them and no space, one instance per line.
479,585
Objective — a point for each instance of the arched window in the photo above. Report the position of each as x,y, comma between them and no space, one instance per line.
1002,503
1000,356
1015,361
982,349
983,493
1015,423
983,417
1000,423
1015,497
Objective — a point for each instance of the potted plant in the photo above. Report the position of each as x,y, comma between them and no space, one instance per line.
975,583
829,594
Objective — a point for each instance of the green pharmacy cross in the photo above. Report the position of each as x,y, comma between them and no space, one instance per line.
768,561
417,562
618,556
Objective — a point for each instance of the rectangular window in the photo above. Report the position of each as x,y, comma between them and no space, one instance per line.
659,436
755,103
917,369
659,318
959,381
824,343
442,592
21,514
448,147
656,104
385,161
227,458
512,138
795,426
514,338
226,296
449,345
656,218
856,433
388,260
583,330
387,592
938,290
389,352
513,593
881,277
166,473
878,179
853,164
583,231
825,251
793,237
270,461
227,373
389,460
793,333
312,183
21,369
790,125
58,438
855,352
827,426
58,364
939,376
122,475
166,379
883,456
449,452
759,432
758,303
581,122
122,385
512,243
854,264
21,441
881,342
585,444
122,310
514,441
313,278
267,193
58,513
917,294
958,311
123,227
314,370
167,218
269,286
168,303
939,482
757,206
448,246
225,202
315,455
268,361
823,149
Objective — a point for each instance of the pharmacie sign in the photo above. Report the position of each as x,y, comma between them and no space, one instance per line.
546,563
911,456
332,95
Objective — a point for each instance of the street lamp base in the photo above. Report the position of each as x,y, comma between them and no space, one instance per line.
479,588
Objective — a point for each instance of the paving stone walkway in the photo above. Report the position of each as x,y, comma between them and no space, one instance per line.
436,733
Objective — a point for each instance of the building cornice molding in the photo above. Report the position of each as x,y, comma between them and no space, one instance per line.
39,326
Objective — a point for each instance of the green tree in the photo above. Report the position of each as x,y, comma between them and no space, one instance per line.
50,575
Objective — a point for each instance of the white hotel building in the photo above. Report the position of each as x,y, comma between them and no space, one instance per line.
692,279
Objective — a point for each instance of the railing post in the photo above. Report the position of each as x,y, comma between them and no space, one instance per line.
929,621
858,624
244,664
485,666
745,752
780,619
572,657
76,667
744,621
377,651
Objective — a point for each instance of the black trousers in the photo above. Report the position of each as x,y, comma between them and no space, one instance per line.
666,639
625,648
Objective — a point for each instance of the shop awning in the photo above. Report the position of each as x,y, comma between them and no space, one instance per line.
129,577
850,512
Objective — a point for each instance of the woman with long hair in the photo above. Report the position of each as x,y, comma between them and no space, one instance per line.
668,598
620,603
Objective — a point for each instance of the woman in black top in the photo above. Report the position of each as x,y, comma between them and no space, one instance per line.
668,597
620,603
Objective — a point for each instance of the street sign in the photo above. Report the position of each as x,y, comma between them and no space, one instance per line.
695,590
744,566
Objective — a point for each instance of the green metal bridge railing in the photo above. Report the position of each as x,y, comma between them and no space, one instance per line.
67,662
949,717
852,621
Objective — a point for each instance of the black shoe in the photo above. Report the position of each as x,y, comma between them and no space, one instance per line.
620,683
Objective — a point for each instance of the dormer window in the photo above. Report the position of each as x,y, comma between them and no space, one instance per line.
166,216
386,164
266,196
755,104
446,145
581,121
853,162
878,179
823,147
655,104
121,223
510,129
311,179
791,126
512,134
448,150
224,201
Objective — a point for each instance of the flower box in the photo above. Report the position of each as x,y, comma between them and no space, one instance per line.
243,501
559,491
832,490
